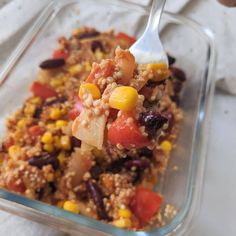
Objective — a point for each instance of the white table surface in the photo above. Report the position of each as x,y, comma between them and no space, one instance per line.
218,209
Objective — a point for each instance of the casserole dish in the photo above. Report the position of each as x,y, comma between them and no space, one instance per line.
189,43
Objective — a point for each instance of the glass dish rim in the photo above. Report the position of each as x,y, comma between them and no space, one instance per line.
207,88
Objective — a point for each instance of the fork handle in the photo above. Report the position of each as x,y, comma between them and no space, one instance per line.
155,15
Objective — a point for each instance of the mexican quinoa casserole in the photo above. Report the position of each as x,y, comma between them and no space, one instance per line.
96,132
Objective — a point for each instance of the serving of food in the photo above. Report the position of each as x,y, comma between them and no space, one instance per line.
96,132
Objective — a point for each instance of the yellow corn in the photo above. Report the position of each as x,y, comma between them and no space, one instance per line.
123,98
65,142
166,146
71,206
51,126
14,152
29,109
98,54
60,124
90,88
75,69
160,70
124,213
122,223
61,158
56,82
35,100
48,147
55,113
22,123
47,138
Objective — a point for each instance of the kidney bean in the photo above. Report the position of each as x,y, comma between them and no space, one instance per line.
145,152
178,73
96,195
75,142
152,121
90,34
171,59
96,44
52,63
140,163
47,159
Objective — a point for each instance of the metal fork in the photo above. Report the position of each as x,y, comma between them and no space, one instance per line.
148,48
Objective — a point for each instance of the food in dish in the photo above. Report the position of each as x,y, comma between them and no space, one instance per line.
96,132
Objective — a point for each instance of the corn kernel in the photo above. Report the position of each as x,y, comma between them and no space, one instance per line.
88,66
61,158
65,142
50,177
55,113
166,146
48,147
91,88
98,54
56,82
47,138
14,152
75,69
71,206
124,213
22,123
60,124
122,223
57,141
123,98
160,70
35,100
29,109
51,126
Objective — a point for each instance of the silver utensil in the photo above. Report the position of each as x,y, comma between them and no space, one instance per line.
148,48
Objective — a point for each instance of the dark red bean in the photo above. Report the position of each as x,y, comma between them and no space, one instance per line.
140,163
97,45
177,86
37,112
96,195
96,171
116,166
52,63
90,34
75,142
47,159
145,152
178,73
152,121
171,59
153,84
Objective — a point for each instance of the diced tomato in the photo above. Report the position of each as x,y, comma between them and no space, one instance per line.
126,37
42,90
78,107
106,71
125,131
36,130
145,204
60,54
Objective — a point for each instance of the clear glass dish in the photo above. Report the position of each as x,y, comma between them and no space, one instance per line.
190,43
